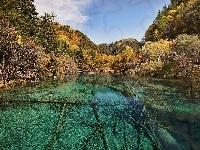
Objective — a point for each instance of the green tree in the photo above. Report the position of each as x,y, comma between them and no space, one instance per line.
21,14
46,35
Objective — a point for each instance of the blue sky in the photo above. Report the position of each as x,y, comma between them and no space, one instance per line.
104,21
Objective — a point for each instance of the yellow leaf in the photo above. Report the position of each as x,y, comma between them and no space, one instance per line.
19,39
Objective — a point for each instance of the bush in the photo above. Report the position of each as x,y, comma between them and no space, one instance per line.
125,61
151,68
156,51
188,45
187,54
154,57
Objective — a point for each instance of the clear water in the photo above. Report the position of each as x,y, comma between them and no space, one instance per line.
97,112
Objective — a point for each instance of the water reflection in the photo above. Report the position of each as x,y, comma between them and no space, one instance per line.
100,112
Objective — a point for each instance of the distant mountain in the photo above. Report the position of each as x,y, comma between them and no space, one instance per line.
118,46
179,17
75,40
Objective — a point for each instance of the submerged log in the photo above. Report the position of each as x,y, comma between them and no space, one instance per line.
42,101
94,106
58,127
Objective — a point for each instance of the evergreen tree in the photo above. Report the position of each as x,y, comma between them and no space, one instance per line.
21,14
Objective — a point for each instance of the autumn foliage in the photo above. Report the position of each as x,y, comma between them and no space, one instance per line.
180,17
37,47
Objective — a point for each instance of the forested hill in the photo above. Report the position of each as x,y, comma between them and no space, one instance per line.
180,17
43,30
38,44
76,41
118,46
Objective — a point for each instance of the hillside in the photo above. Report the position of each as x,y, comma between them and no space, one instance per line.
180,17
38,44
118,46
76,43
172,42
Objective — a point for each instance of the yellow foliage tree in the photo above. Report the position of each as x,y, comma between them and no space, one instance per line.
125,61
156,50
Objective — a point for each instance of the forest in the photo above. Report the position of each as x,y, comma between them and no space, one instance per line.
34,48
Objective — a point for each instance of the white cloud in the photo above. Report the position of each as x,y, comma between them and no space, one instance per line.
69,12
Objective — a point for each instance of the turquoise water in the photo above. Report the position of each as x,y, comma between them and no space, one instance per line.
101,112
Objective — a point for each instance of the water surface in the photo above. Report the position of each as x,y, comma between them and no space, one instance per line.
101,112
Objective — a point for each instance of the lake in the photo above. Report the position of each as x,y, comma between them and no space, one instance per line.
111,112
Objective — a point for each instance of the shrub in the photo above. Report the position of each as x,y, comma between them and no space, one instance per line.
155,51
187,54
154,57
188,45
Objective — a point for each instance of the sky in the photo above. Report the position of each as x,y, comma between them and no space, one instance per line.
104,21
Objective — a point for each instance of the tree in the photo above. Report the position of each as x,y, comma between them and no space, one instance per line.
154,58
187,49
21,14
125,61
46,35
14,55
180,17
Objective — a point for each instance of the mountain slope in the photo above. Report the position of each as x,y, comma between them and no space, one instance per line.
118,46
29,43
180,17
